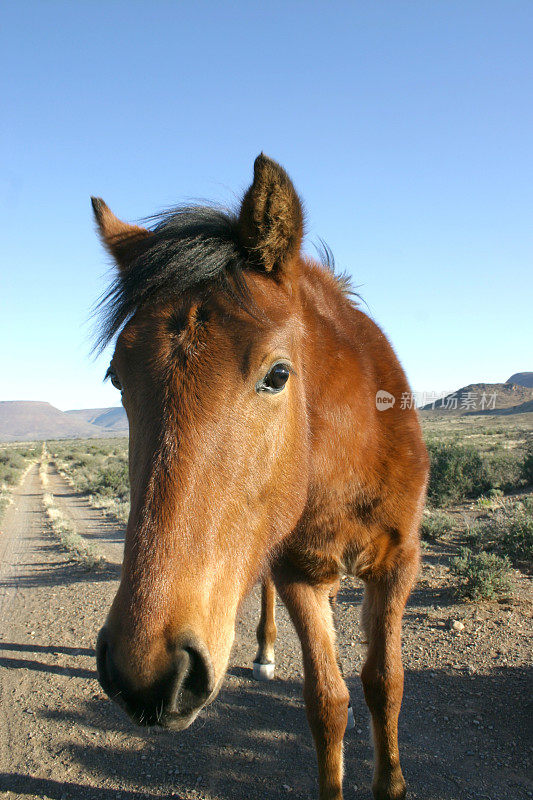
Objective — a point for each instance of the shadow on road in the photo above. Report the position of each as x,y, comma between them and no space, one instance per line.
14,647
461,739
45,787
61,572
39,666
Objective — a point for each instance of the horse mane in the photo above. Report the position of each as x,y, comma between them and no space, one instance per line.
190,248
343,279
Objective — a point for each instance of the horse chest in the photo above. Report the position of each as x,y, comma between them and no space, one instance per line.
335,531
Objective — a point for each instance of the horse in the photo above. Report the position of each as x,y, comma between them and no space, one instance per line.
260,447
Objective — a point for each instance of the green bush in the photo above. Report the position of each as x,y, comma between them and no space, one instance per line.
474,535
482,576
13,461
492,500
457,472
99,469
512,531
113,480
505,469
527,464
508,532
10,477
435,524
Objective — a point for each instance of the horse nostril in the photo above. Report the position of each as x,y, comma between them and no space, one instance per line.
174,697
194,678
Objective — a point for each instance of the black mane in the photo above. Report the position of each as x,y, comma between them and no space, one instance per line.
190,247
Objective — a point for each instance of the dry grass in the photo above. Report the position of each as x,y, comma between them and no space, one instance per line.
70,539
97,469
43,467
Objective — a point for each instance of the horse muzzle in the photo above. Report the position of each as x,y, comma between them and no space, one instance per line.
174,698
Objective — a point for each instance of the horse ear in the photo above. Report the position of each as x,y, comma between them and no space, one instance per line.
123,241
271,217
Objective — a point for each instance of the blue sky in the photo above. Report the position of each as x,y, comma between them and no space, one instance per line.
406,127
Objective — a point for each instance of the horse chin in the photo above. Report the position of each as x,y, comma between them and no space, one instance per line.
173,722
176,722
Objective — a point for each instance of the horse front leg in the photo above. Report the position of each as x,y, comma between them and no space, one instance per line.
264,662
382,673
325,693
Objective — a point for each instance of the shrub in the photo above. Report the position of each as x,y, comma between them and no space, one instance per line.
482,576
435,524
13,461
492,500
474,535
65,530
99,469
512,531
509,532
113,480
505,470
457,472
527,464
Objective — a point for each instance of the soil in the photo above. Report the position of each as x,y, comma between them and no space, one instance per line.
465,726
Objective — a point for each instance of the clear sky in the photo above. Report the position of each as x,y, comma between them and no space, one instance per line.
405,125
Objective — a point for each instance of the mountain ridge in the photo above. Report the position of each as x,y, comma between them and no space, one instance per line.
485,399
36,420
521,379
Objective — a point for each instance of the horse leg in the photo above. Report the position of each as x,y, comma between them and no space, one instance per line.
333,592
382,673
325,693
264,662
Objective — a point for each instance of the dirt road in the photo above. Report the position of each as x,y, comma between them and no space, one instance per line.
464,723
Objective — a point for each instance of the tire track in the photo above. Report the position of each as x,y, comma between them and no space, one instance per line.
22,512
25,508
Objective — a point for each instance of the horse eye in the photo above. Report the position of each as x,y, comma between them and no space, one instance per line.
113,377
276,379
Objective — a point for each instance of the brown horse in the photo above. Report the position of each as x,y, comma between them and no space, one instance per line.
258,447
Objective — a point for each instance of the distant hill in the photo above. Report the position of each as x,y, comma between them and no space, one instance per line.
110,418
521,379
484,398
29,420
86,414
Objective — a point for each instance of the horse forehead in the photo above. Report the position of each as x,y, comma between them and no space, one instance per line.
271,321
272,314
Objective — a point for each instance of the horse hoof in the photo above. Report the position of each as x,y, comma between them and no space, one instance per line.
263,672
351,719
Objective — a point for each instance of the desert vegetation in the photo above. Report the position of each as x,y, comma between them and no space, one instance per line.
99,469
65,530
482,576
14,460
479,499
63,527
461,471
507,530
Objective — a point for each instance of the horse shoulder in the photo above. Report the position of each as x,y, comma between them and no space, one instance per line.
368,467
